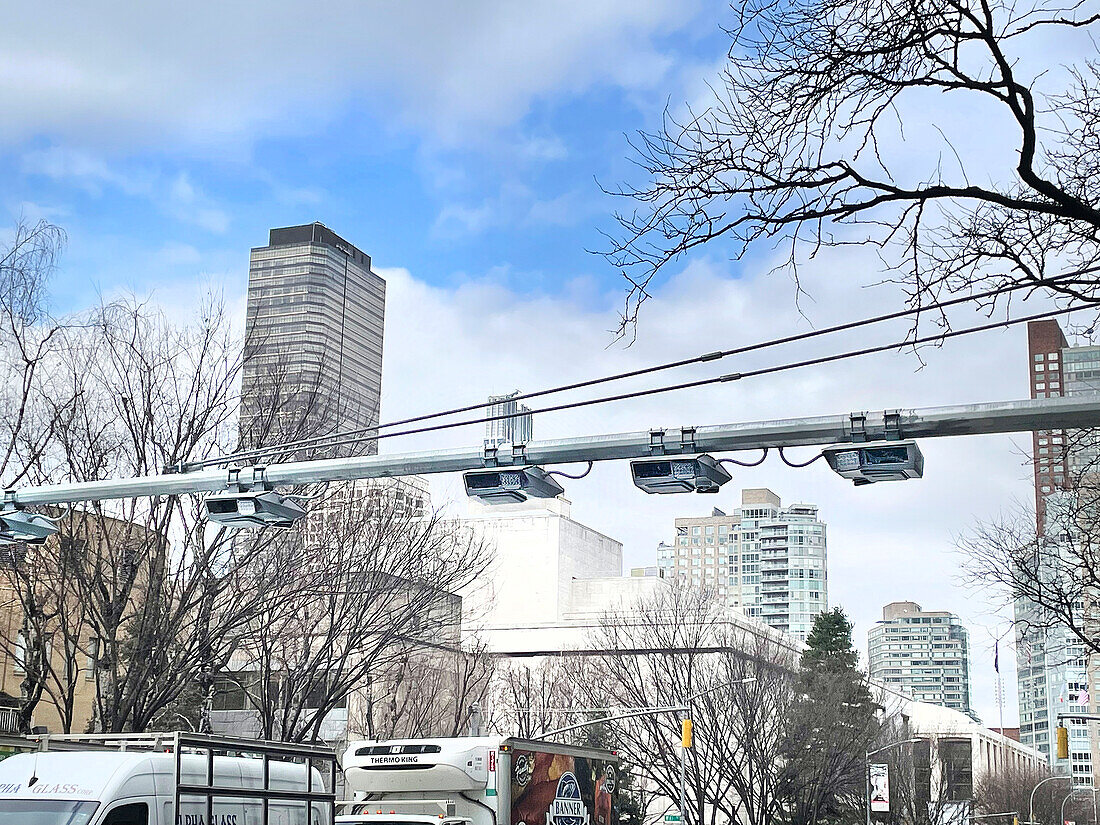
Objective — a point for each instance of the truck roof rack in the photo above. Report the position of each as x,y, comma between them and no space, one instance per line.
180,743
158,741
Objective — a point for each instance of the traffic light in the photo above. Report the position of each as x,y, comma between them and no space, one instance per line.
1063,742
685,733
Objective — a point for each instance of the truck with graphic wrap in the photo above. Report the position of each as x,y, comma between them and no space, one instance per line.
478,781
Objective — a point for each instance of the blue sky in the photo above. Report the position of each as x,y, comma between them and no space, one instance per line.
460,145
487,169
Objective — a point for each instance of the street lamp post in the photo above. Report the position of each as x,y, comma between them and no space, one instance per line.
685,723
1072,791
867,768
1031,801
683,782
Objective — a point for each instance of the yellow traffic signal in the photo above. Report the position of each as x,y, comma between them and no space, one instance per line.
685,733
1063,742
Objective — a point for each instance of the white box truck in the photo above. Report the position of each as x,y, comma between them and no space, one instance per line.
478,781
166,779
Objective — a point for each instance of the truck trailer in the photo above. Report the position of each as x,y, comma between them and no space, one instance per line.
478,781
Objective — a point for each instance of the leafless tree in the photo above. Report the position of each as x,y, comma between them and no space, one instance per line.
42,633
427,691
681,647
47,631
1056,572
532,698
799,147
153,393
28,337
1009,787
371,579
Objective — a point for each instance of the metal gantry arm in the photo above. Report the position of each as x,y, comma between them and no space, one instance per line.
1077,412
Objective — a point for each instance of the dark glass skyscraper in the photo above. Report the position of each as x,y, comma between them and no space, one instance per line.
313,341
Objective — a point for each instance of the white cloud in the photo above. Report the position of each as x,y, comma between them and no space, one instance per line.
886,542
223,72
566,209
456,220
515,205
175,195
86,170
33,212
543,148
174,253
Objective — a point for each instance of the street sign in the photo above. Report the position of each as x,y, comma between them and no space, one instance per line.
880,788
672,818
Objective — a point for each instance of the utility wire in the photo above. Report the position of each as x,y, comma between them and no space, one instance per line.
371,433
733,376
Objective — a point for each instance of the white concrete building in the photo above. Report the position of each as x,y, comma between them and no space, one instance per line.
552,581
540,553
951,757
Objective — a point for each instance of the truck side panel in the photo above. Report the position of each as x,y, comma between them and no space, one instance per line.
562,789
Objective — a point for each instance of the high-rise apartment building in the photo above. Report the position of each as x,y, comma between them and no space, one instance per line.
1053,670
1045,345
516,428
764,559
313,340
924,654
666,560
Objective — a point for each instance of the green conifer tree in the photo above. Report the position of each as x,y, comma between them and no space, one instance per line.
832,724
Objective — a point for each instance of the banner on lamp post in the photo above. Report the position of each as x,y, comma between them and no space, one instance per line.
880,788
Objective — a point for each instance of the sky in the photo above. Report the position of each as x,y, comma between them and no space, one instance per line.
467,147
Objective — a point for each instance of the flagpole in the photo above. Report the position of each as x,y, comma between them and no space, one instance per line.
1001,701
1000,684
